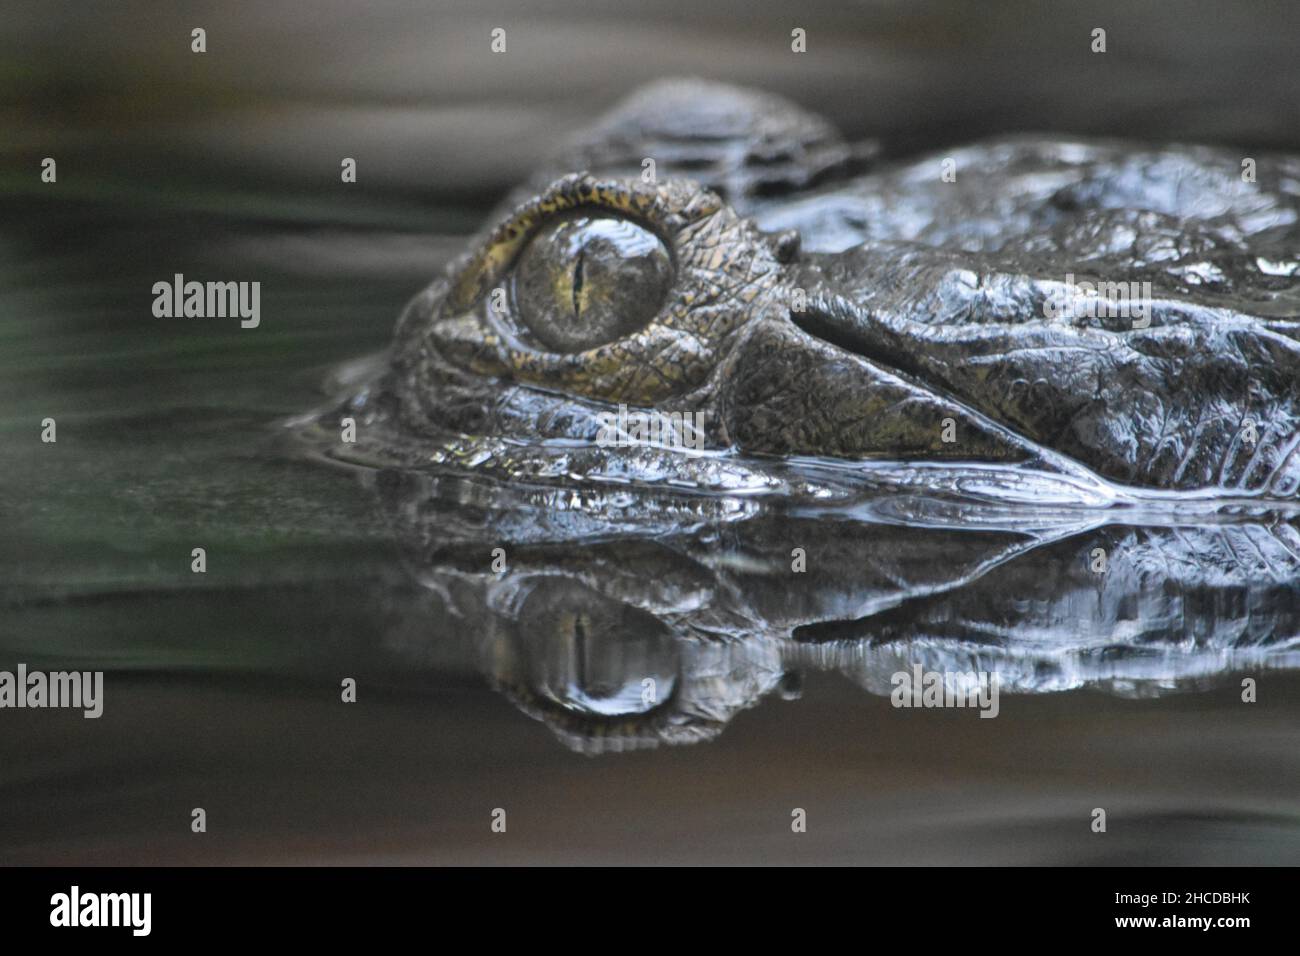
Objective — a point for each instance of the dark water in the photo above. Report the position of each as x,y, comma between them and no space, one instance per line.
223,689
523,691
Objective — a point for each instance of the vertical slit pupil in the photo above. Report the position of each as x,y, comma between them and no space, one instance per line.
577,282
631,268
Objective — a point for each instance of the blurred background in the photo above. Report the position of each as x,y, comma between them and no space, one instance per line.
412,91
222,689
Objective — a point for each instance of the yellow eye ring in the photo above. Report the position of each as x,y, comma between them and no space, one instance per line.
723,275
665,209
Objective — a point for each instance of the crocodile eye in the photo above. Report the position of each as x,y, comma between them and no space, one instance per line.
589,279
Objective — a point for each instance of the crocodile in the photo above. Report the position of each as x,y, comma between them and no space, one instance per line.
1072,320
1025,407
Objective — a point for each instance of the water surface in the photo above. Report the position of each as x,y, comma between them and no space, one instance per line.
523,690
222,689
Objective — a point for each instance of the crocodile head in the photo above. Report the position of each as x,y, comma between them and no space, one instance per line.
893,377
724,297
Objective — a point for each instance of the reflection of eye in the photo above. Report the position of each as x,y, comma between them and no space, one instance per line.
590,279
598,657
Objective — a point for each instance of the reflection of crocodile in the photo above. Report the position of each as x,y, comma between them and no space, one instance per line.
985,468
897,315
621,641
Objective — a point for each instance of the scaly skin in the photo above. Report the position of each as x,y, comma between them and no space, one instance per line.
819,310
894,315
